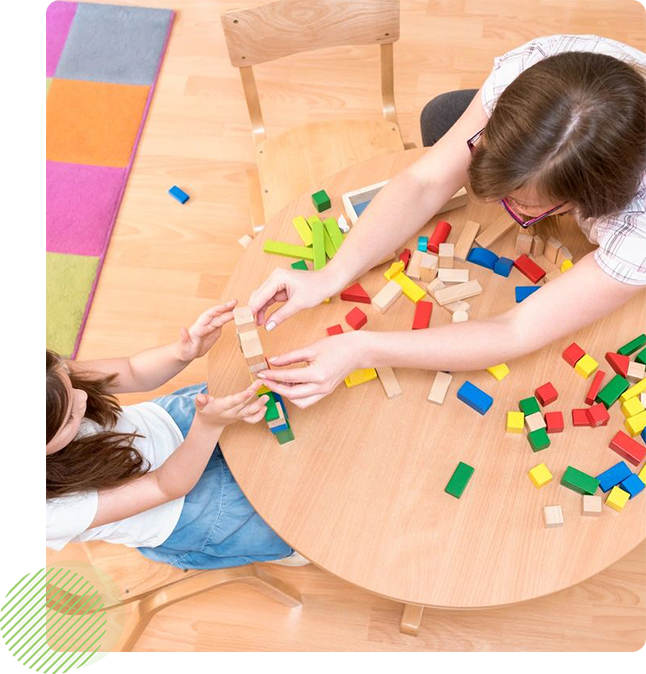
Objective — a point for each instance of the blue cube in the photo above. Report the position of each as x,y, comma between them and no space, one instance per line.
483,257
475,398
613,476
523,292
422,243
503,266
178,194
633,485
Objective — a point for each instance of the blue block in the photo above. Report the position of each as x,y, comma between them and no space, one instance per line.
644,435
475,398
278,429
422,243
633,485
178,194
523,292
613,476
503,266
483,257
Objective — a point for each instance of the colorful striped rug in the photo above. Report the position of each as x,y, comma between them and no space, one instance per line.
102,67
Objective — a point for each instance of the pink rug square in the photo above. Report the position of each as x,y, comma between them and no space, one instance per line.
59,19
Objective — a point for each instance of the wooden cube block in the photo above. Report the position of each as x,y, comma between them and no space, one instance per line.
356,319
428,267
636,424
540,475
457,306
617,499
586,366
250,344
440,387
591,506
562,255
554,421
636,371
534,422
546,394
243,319
553,516
632,407
446,255
434,286
566,265
515,422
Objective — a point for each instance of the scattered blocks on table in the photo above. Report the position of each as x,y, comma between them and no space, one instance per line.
578,481
440,387
440,235
356,319
300,264
598,415
627,448
529,268
178,194
534,422
335,330
453,275
591,506
523,292
529,405
636,372
586,366
631,407
389,381
422,318
633,485
633,345
617,499
553,516
613,391
446,253
422,243
355,293
618,363
538,439
595,387
475,398
483,257
524,244
552,247
540,475
387,296
357,377
566,265
288,250
554,422
503,266
546,394
613,476
461,291
573,354
636,424
321,201
459,480
580,417
466,239
515,422
499,372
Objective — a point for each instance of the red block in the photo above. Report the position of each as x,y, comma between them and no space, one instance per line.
355,293
554,421
356,318
618,363
580,417
405,257
573,354
628,448
440,235
423,311
595,387
598,415
546,394
528,267
335,330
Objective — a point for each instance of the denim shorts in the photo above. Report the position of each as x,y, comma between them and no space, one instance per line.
217,527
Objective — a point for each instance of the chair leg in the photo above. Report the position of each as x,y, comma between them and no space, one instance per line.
254,192
274,587
411,619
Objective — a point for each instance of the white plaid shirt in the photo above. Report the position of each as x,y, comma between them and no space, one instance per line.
622,237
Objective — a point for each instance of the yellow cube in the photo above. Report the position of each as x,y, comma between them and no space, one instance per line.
634,391
410,288
360,377
540,475
515,422
567,264
262,390
499,371
642,474
636,424
617,499
631,407
586,366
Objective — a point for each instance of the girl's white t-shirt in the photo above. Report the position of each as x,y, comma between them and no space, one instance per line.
68,517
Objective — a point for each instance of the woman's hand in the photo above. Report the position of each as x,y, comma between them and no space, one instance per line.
243,406
204,333
328,361
298,289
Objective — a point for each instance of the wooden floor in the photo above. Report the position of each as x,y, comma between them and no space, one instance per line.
168,262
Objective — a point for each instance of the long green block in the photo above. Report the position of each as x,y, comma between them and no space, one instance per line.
610,393
641,357
303,229
578,481
633,345
288,250
335,234
285,436
321,201
272,411
318,243
300,264
459,480
538,439
529,406
327,241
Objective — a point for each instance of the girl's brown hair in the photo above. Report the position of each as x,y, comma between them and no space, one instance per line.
574,126
100,461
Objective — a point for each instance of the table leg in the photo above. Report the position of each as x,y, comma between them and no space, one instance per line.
411,619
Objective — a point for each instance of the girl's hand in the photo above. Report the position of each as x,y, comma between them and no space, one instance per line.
220,412
202,335
329,361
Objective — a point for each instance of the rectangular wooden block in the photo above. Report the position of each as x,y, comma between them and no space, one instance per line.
494,232
524,244
413,269
459,480
466,239
578,481
304,230
318,243
362,376
389,381
538,246
453,275
410,288
422,318
446,255
440,387
552,247
458,292
387,296
288,250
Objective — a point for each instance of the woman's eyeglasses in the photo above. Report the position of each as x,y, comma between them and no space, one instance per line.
518,218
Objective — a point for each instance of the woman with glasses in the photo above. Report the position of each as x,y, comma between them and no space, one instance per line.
558,126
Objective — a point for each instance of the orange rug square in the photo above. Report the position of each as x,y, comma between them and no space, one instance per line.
93,122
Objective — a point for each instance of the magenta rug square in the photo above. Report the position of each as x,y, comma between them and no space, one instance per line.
59,19
81,205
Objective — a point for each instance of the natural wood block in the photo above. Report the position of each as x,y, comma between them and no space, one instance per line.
250,344
466,239
462,291
453,275
591,506
636,371
387,296
563,255
413,269
460,316
494,232
538,246
446,255
434,286
553,516
552,247
440,387
457,306
524,244
428,267
534,422
243,319
389,381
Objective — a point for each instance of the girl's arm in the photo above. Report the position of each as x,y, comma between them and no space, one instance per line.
181,471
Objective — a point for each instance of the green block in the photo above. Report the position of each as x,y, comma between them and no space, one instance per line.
288,250
327,241
610,393
578,481
285,436
318,243
335,234
303,229
538,439
321,201
300,264
272,411
633,345
459,480
529,406
641,357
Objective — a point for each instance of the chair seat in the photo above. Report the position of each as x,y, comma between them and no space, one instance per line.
297,160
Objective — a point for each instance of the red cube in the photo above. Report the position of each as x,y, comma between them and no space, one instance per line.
356,318
554,421
335,330
573,354
598,415
546,394
580,417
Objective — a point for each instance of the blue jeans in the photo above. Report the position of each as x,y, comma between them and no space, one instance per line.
217,527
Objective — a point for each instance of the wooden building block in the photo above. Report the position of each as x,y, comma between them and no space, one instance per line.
250,344
540,475
453,275
586,366
300,264
524,244
422,318
627,448
387,296
321,201
554,422
334,233
529,268
462,291
434,286
633,485
459,317
446,255
636,372
635,390
631,407
475,398
409,288
578,481
566,265
538,246
499,372
494,232
440,387
428,267
457,306
553,516
552,247
422,244
318,243
334,330
551,275
580,417
529,405
534,422
613,476
515,422
405,256
591,506
617,499
394,269
573,354
355,293
389,381
633,345
356,319
546,394
466,239
635,424
595,387
598,415
288,250
618,363
357,377
244,319
483,257
440,235
459,480
538,439
614,390
413,269
563,255
304,230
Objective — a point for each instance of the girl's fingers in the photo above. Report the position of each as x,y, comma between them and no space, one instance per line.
297,356
252,406
243,397
255,418
297,375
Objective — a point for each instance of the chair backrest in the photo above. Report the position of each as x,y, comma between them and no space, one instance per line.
287,27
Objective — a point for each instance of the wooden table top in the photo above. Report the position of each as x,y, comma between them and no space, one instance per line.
360,492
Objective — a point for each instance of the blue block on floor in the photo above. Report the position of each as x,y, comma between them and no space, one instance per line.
633,485
483,257
178,194
523,292
503,266
475,398
613,476
422,243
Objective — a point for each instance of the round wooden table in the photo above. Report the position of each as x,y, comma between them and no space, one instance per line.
360,492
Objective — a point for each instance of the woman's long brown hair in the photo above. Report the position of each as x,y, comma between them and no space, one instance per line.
573,126
100,461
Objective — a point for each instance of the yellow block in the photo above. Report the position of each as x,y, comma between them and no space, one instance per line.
636,390
499,371
515,422
394,269
263,389
540,475
586,366
567,264
642,474
360,377
636,424
617,499
410,288
303,229
631,407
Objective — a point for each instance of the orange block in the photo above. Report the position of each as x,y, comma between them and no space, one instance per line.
93,122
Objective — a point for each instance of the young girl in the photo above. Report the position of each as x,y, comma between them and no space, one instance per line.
152,475
558,127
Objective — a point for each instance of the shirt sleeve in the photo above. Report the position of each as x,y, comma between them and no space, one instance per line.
622,248
69,516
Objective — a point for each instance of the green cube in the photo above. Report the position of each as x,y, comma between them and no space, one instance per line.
633,345
300,264
538,439
321,201
578,481
610,393
459,480
641,357
529,406
285,436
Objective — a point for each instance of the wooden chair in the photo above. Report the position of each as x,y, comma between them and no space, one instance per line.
291,163
143,588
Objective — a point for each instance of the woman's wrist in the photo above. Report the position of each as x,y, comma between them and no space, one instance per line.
361,345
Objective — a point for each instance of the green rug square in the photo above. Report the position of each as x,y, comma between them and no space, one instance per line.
48,81
69,282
